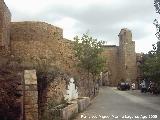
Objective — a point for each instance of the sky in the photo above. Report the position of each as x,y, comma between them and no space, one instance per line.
102,18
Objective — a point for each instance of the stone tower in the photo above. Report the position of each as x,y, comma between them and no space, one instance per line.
5,19
127,56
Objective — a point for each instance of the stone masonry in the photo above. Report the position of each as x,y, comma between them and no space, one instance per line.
111,53
30,41
38,40
30,95
127,56
5,19
121,61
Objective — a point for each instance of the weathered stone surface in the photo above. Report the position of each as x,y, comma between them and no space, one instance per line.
5,19
69,111
29,107
33,93
30,77
32,87
31,116
121,60
34,42
39,41
30,100
56,90
30,95
127,56
83,103
111,54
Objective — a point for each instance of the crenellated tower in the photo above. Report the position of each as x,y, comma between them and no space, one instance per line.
127,56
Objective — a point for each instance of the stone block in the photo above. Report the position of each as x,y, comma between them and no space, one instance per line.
31,116
69,111
30,107
30,77
32,87
31,93
30,100
83,103
19,88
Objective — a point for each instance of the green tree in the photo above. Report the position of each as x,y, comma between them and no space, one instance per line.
151,61
151,64
88,51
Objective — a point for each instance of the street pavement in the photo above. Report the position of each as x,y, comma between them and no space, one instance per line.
113,104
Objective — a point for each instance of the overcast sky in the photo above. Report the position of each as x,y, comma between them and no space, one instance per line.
103,18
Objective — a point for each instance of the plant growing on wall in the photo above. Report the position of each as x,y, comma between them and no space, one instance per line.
88,51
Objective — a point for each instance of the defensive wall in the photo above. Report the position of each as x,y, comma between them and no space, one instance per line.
33,41
38,40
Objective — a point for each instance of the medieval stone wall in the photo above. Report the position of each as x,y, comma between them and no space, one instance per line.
127,56
37,31
30,95
38,40
131,66
32,42
5,19
54,49
121,60
111,54
56,91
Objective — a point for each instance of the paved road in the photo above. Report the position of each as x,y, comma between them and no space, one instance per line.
112,104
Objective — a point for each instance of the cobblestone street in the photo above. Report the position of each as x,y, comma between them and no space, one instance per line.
112,104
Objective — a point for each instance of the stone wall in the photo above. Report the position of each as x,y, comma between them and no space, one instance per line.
5,19
111,54
121,60
54,49
127,56
35,31
56,90
52,90
30,95
37,40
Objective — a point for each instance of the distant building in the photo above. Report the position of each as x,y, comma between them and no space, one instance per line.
121,60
